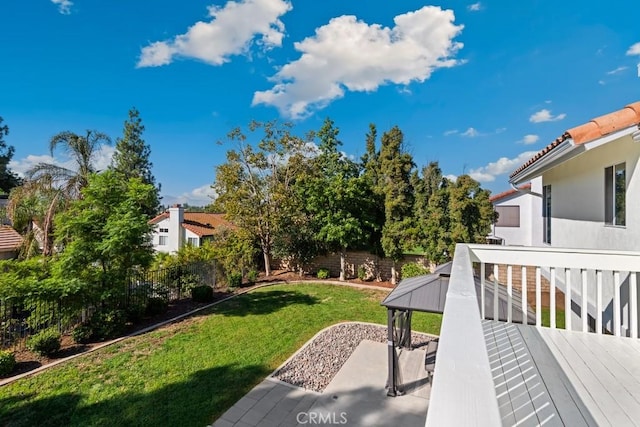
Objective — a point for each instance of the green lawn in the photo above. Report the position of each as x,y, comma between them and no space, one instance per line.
190,373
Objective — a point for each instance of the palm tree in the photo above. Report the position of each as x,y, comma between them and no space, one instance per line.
49,187
82,150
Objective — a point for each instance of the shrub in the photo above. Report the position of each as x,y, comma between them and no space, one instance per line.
156,305
362,272
44,343
323,273
107,323
81,334
202,294
252,276
7,362
234,280
413,269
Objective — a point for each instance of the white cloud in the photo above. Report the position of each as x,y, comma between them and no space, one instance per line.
634,49
545,115
232,30
500,130
474,7
529,139
602,82
350,55
501,166
64,6
450,132
616,71
101,161
200,196
451,177
470,133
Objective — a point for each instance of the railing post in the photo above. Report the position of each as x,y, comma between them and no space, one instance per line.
538,297
567,299
552,298
633,303
482,285
495,293
509,293
616,303
599,302
523,292
584,308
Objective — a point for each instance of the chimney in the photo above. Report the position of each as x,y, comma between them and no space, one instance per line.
176,232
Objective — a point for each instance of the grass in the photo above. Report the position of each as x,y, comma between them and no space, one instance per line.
546,318
190,373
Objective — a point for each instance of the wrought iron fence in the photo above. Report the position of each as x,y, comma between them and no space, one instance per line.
22,316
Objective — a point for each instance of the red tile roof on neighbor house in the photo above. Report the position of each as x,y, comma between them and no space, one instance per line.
10,239
199,223
508,193
592,130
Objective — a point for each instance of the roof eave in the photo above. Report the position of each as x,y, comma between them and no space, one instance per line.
559,154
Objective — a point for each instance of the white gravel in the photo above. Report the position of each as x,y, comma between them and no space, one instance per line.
315,365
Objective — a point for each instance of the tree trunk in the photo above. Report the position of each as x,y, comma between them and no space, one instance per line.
267,263
343,257
393,273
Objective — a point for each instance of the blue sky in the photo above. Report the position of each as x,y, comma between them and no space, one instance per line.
475,86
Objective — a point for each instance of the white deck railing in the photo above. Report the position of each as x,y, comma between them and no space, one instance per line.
601,295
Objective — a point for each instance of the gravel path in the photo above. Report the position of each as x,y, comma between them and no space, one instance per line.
315,365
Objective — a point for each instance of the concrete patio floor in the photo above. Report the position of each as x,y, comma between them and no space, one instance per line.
355,397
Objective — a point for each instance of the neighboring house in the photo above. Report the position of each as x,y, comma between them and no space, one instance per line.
591,183
519,216
175,228
10,241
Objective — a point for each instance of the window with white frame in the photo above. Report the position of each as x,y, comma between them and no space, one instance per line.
162,240
615,188
546,214
193,241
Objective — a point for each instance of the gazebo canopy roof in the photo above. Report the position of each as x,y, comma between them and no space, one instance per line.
421,293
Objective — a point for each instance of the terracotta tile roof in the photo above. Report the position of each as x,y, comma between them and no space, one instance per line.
590,131
200,223
10,239
509,192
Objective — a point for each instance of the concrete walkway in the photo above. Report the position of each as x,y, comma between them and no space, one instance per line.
355,397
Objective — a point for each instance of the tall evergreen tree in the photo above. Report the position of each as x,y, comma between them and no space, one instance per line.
131,157
8,179
395,183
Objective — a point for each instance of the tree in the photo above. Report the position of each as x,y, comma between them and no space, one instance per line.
82,150
8,179
255,185
131,156
458,212
105,233
394,183
335,197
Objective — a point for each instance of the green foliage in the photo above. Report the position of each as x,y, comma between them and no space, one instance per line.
252,276
107,323
105,234
82,333
44,343
202,294
323,273
362,272
7,362
131,157
8,179
254,185
413,269
232,250
157,305
234,279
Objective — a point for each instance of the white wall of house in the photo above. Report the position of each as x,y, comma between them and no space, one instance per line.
191,238
578,199
176,232
159,234
529,232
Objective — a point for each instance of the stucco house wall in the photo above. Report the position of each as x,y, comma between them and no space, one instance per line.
529,233
577,199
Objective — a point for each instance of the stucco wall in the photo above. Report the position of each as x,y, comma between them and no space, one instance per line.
530,231
156,236
577,199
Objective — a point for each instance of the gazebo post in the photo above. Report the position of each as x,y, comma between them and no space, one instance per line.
392,359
